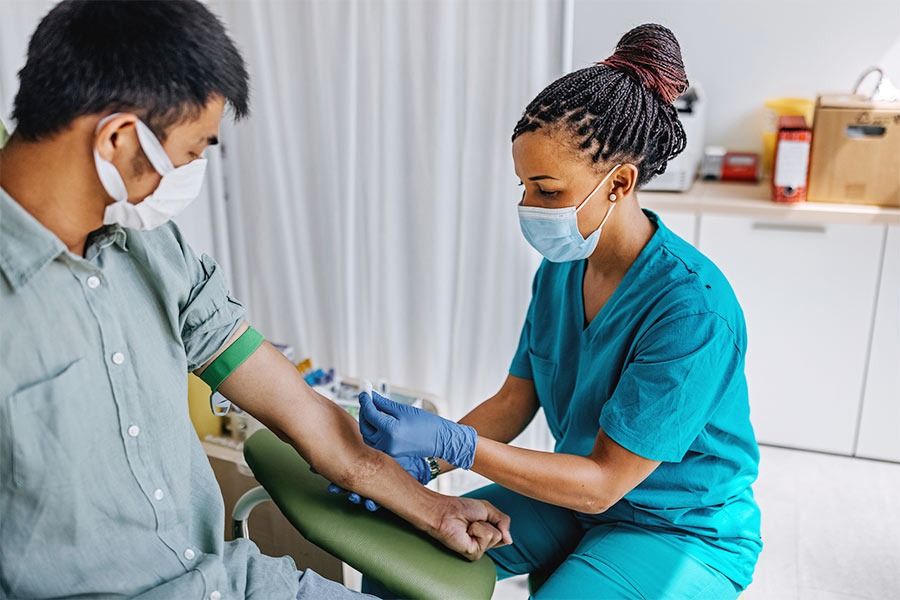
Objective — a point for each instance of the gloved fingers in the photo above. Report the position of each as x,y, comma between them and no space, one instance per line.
371,505
312,470
375,417
367,430
335,489
386,405
417,467
421,469
354,498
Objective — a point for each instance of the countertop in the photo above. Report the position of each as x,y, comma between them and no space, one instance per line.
754,200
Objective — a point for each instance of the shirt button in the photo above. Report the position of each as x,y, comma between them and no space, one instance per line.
216,595
158,494
118,358
189,554
93,281
134,430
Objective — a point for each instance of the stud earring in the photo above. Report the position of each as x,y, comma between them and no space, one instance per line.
612,197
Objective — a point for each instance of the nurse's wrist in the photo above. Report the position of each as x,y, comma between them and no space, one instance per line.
457,446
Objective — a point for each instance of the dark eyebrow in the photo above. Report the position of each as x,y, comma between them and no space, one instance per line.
539,177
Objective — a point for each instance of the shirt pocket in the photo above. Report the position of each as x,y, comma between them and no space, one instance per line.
45,429
544,373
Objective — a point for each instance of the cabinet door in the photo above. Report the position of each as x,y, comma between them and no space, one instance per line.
682,224
808,292
879,429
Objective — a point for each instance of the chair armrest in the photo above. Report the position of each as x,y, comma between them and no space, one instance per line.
380,545
242,508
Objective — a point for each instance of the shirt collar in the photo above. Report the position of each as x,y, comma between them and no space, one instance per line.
103,237
26,246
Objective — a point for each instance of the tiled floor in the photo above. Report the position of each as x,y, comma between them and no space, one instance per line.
831,530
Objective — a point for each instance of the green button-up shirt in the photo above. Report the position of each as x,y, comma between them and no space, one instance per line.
105,490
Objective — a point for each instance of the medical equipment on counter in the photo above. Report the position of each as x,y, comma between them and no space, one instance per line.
313,376
721,165
682,170
345,391
791,160
775,108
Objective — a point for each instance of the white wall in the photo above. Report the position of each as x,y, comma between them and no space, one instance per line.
18,19
745,51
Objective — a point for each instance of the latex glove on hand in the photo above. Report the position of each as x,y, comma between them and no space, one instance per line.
415,466
402,430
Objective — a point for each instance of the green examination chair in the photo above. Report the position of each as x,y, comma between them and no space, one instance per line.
378,544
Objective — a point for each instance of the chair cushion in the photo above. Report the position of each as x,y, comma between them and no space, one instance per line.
379,545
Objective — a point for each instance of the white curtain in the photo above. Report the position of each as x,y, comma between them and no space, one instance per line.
374,187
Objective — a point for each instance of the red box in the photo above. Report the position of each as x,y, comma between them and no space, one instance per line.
791,164
740,166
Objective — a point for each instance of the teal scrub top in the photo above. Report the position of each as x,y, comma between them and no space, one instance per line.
661,370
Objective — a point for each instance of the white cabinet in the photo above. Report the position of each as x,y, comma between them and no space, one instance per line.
683,224
879,429
807,292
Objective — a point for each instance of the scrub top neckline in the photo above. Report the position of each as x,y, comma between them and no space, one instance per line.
587,329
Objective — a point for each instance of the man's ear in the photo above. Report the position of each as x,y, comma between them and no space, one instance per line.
114,134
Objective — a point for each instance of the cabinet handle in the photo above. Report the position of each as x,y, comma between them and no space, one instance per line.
789,227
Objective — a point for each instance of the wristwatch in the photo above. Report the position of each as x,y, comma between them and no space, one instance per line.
433,467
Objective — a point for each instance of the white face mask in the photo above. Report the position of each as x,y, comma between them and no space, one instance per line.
178,188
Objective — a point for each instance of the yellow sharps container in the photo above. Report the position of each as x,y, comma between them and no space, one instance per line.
782,107
205,422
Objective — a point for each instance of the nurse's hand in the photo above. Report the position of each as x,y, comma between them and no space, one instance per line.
415,466
402,430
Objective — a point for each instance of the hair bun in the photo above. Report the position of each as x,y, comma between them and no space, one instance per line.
650,54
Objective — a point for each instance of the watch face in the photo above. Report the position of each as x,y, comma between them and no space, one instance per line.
433,466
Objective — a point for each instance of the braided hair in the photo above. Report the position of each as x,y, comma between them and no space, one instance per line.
620,108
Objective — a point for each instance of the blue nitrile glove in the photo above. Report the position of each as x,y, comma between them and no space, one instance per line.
402,430
417,467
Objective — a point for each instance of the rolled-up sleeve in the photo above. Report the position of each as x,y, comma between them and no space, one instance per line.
210,316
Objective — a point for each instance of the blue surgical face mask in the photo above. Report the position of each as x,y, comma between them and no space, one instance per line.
554,231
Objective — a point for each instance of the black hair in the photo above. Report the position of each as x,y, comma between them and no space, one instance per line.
162,59
621,108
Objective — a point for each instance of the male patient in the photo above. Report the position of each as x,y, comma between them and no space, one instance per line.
104,488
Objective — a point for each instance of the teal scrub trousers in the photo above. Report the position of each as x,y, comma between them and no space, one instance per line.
600,561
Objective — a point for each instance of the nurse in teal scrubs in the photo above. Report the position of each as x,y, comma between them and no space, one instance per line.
633,345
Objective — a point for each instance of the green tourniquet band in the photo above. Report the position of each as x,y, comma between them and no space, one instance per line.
232,358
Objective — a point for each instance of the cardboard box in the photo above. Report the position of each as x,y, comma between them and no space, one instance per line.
855,151
791,160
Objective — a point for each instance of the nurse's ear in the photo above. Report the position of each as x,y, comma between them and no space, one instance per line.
623,182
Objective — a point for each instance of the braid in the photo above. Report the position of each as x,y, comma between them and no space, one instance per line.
621,107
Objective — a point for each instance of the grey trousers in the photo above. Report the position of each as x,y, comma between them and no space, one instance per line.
315,587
